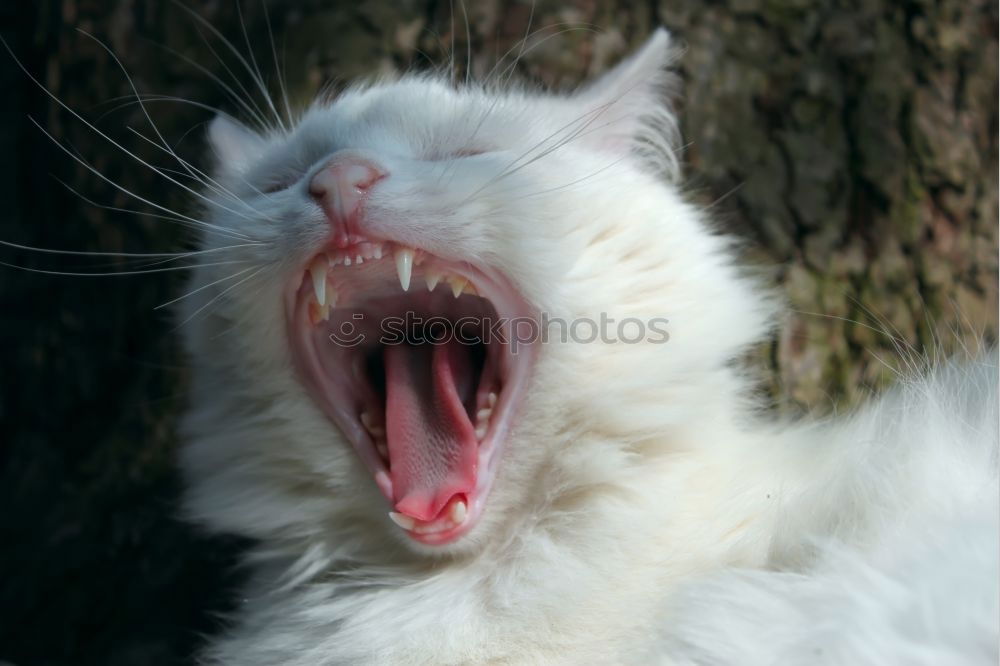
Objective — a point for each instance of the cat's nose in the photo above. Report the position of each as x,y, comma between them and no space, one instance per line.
340,188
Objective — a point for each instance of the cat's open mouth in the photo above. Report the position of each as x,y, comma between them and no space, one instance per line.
415,359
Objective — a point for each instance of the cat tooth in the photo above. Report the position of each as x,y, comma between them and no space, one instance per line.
457,285
359,260
377,252
481,431
382,449
347,261
492,399
405,522
404,266
432,280
458,512
315,313
317,270
371,425
433,528
484,414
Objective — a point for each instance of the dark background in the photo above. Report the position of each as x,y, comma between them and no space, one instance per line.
853,144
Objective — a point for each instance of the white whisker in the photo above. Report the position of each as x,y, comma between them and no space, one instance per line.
114,273
254,111
206,286
239,56
181,218
277,67
146,255
97,131
508,72
201,176
220,295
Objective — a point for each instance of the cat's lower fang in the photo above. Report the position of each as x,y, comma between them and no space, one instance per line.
456,514
374,428
483,422
402,520
318,313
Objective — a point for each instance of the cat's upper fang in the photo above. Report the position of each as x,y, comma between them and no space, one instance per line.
404,266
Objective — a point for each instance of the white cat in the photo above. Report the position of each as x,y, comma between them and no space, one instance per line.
496,498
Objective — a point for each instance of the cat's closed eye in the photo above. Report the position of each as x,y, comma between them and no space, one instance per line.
444,155
280,182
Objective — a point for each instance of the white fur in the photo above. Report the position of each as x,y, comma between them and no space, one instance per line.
641,514
887,555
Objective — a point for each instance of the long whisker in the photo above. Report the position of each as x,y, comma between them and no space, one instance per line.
509,71
184,221
198,174
451,30
277,66
570,184
453,165
574,136
193,172
253,111
112,273
521,43
89,167
524,40
468,43
232,49
148,97
221,294
150,255
506,170
857,322
576,133
261,114
107,138
128,78
203,287
253,61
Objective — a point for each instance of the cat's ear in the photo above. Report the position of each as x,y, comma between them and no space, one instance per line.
628,106
234,145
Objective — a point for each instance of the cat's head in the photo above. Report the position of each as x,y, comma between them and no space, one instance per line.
469,307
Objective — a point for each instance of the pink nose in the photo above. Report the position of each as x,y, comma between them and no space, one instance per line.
340,188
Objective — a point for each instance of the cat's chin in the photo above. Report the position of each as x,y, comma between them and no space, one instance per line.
421,362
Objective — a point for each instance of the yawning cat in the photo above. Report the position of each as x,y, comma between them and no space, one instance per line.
477,398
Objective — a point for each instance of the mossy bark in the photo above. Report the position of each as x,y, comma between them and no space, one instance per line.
854,144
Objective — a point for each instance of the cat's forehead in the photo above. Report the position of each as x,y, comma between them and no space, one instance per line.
416,114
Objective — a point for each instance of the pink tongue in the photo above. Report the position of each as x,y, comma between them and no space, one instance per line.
432,444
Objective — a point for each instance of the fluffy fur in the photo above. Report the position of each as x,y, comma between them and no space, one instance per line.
642,514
